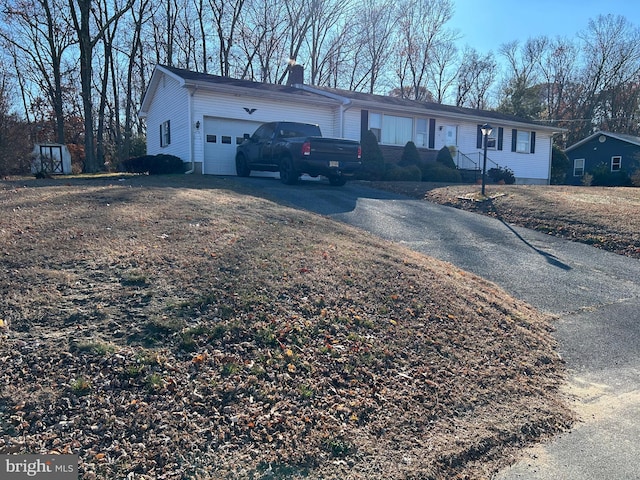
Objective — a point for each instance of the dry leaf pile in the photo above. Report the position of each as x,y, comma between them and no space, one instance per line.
170,328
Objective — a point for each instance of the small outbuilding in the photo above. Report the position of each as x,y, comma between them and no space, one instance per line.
51,159
603,152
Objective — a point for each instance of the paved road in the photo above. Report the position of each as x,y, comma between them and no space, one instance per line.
595,294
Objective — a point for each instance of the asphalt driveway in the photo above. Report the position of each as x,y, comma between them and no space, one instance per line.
595,294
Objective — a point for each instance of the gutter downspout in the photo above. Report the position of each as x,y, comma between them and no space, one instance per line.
191,135
345,103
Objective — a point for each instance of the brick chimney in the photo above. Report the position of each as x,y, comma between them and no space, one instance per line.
296,74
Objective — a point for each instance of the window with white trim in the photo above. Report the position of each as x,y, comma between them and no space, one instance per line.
397,130
165,133
522,142
375,125
616,163
422,135
578,167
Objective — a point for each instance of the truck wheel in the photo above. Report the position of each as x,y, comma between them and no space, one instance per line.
242,168
288,175
337,180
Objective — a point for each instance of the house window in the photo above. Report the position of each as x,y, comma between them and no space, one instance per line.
375,125
578,167
616,164
522,142
165,133
397,130
421,132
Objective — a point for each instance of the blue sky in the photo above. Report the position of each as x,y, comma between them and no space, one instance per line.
503,21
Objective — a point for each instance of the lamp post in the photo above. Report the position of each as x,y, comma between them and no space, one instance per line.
486,130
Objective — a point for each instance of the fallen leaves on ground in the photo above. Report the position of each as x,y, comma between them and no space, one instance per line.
171,328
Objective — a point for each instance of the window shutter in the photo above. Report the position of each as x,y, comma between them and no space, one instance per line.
479,137
168,132
533,142
364,123
514,139
432,133
500,137
161,137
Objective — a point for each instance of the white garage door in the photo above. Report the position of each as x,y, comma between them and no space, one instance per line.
221,136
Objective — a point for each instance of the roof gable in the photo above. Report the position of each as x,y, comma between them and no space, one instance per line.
616,136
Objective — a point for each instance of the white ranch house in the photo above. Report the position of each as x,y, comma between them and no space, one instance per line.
201,118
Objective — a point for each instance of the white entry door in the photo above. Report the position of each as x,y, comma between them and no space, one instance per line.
221,137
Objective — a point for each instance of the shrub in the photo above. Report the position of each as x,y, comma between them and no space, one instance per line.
437,172
372,159
154,165
502,175
560,164
410,155
604,177
445,158
396,173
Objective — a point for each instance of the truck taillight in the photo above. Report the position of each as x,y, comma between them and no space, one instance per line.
359,152
306,148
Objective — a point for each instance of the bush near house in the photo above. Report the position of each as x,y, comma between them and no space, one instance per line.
602,176
445,158
397,173
372,159
502,175
410,156
437,172
154,165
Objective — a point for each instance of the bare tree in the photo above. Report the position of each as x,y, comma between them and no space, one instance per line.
475,77
611,48
81,18
374,44
226,17
421,25
40,36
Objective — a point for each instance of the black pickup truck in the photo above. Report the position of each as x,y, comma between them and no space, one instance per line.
293,149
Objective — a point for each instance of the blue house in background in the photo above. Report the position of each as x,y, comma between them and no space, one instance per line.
614,154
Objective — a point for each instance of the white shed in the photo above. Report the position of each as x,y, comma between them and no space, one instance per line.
51,158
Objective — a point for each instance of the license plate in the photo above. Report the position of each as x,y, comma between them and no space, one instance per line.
334,164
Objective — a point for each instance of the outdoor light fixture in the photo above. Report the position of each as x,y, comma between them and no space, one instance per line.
198,125
486,130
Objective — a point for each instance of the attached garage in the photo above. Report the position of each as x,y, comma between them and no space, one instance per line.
221,136
201,118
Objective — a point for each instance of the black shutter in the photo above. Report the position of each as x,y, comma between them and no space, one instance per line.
514,139
161,137
168,132
479,137
533,142
364,123
432,132
500,137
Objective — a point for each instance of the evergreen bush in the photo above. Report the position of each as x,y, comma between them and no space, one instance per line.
410,155
445,158
502,175
437,172
154,164
372,159
396,173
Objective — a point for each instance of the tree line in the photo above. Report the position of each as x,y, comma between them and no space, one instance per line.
74,71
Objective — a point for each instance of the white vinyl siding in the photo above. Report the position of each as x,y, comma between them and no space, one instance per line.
170,109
